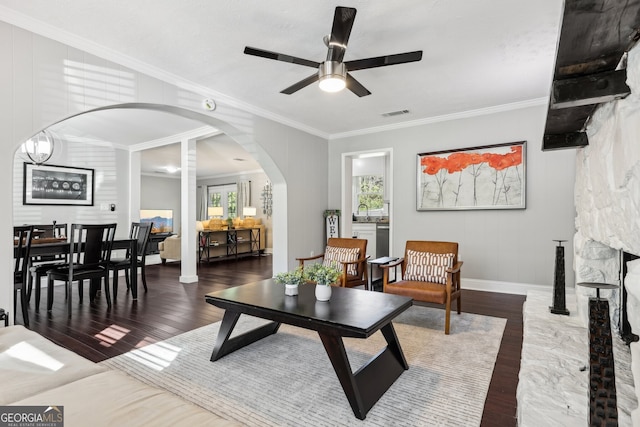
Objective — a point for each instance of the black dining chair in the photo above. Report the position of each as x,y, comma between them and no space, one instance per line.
89,252
139,231
39,265
22,247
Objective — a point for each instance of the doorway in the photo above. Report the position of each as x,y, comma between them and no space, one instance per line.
367,199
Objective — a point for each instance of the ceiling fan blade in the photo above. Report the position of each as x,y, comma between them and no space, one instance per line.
279,57
354,86
383,61
301,84
340,32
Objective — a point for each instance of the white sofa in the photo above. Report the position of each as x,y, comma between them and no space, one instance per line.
36,372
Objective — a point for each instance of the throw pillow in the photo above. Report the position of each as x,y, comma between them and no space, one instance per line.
335,255
427,266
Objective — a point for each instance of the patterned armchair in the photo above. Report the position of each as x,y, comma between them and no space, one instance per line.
430,273
350,255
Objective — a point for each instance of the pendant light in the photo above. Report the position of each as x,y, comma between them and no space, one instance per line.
39,148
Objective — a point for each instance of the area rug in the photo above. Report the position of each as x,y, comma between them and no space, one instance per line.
287,380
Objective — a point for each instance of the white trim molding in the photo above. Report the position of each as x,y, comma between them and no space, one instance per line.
502,287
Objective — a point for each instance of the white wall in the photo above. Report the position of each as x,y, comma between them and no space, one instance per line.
43,81
512,246
161,193
111,181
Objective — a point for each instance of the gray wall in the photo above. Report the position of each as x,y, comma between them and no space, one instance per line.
161,193
496,245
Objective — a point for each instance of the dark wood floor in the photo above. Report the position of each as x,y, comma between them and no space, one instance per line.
171,308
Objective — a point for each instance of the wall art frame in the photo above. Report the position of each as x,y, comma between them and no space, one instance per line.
483,177
57,185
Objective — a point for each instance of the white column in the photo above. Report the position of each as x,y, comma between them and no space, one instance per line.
134,181
188,237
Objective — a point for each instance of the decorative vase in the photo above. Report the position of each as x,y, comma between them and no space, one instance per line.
323,292
290,289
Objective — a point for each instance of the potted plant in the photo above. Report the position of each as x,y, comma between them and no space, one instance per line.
324,276
291,280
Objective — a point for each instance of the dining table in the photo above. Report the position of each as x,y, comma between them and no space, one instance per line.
48,246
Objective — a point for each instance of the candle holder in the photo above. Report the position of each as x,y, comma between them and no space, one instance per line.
559,299
603,408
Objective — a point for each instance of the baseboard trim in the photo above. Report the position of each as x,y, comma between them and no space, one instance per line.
501,287
188,279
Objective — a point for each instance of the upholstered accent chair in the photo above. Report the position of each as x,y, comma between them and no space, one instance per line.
170,249
350,255
430,273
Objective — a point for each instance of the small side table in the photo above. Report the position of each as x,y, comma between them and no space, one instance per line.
4,316
379,261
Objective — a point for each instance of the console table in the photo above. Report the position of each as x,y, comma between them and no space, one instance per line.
228,243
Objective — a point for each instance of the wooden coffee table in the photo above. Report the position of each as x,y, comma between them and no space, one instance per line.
350,313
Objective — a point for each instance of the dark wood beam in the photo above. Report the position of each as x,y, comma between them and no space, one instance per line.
566,140
594,35
568,119
587,90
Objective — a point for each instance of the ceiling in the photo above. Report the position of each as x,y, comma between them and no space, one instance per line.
148,131
479,55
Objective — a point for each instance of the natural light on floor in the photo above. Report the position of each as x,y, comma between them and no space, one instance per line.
111,335
25,352
156,356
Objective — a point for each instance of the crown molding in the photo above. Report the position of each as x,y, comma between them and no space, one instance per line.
445,117
226,175
46,30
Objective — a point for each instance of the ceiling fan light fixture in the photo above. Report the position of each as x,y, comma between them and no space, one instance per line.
332,76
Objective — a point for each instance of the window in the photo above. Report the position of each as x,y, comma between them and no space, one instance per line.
225,196
369,192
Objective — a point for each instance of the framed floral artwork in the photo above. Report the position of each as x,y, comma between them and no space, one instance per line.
486,177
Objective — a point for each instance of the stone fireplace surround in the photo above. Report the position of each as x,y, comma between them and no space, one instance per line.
607,200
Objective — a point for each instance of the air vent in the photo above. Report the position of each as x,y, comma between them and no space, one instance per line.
395,113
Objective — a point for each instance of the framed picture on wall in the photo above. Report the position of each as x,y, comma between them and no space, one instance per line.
57,185
486,177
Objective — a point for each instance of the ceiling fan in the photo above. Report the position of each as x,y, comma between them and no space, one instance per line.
333,74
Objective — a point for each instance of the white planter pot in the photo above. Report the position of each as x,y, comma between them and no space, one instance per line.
323,292
291,289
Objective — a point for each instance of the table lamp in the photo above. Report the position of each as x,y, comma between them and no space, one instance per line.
248,212
214,212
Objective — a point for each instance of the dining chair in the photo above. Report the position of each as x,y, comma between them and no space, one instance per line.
141,232
39,265
22,246
89,253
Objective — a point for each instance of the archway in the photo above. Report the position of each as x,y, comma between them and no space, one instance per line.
270,168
